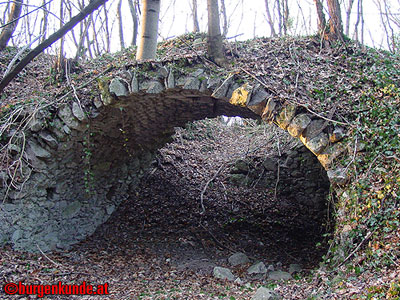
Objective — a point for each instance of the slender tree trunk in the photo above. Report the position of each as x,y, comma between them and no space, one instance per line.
96,36
132,8
107,29
81,26
348,13
92,6
269,18
321,17
89,44
149,31
285,11
255,25
214,40
196,27
224,18
45,23
280,25
362,20
335,22
4,17
121,26
357,22
80,48
8,31
392,44
59,66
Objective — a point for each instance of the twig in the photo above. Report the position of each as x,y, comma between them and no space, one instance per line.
322,117
23,16
259,81
354,154
10,65
67,73
277,181
205,189
216,240
372,163
369,234
71,273
48,258
225,193
80,87
278,171
222,85
204,59
394,157
293,101
235,36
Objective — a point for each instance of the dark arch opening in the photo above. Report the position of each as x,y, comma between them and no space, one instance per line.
217,189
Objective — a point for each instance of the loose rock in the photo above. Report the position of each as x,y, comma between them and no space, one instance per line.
223,273
238,259
257,268
279,275
265,294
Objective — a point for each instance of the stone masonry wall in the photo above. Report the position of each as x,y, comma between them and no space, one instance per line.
71,166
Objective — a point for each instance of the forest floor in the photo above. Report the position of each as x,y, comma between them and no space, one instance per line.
160,245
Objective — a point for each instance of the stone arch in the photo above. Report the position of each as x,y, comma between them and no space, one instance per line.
82,163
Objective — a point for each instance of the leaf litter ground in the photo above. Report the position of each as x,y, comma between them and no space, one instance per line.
159,244
329,81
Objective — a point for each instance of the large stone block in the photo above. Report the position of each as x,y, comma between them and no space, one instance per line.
312,130
270,110
317,143
328,156
240,96
298,124
286,115
118,87
65,114
78,112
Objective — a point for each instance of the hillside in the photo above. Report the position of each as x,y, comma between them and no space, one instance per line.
355,87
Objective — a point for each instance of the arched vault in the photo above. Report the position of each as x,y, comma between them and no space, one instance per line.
81,162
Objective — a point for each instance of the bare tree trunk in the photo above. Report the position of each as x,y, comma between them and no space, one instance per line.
224,18
89,44
45,23
6,10
321,17
83,33
280,25
132,8
92,6
285,11
306,31
255,25
81,27
335,22
96,36
348,13
196,27
149,31
214,40
107,28
378,3
357,22
8,31
362,20
121,26
269,18
392,44
59,66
